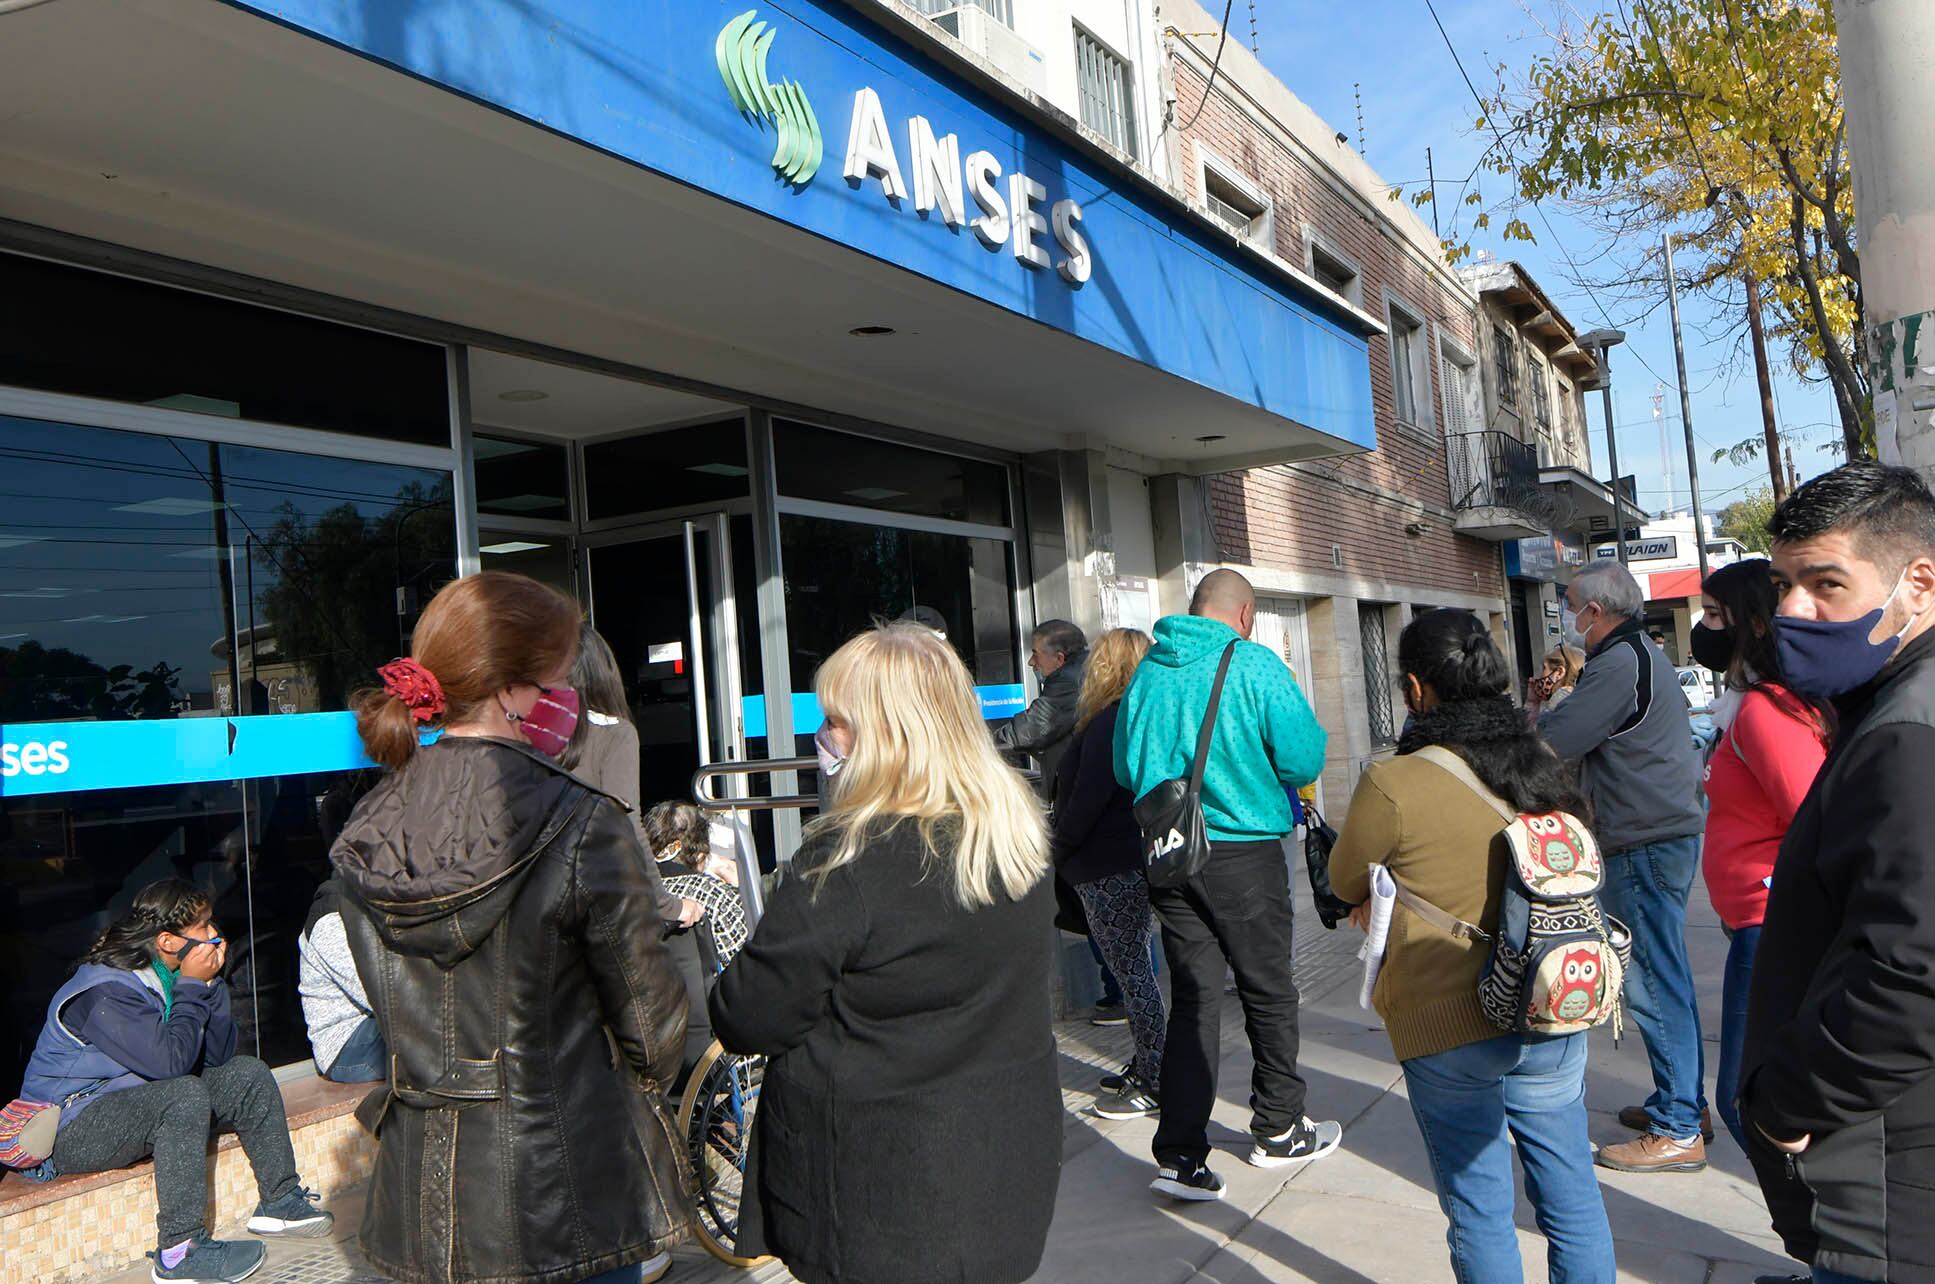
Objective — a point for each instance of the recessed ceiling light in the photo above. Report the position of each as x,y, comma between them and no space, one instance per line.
1215,436
874,494
172,506
15,541
44,594
716,470
870,331
523,394
103,619
497,447
512,546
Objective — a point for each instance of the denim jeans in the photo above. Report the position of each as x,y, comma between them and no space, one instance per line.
1236,908
621,1275
1646,889
1835,1277
1734,989
363,1057
1467,1101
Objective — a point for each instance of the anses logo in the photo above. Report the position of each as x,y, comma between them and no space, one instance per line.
34,758
741,49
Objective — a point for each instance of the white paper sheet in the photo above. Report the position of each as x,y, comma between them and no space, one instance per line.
1383,899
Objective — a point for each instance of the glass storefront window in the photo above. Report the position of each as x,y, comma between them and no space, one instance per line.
152,587
842,576
670,469
522,478
842,468
545,558
195,352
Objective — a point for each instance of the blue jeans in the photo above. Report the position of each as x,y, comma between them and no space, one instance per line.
1733,1025
623,1275
1466,1101
363,1059
1835,1277
1646,889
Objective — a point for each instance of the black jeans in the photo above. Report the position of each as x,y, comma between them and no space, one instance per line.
1237,908
171,1119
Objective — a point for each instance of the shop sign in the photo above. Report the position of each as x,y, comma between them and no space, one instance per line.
1661,549
1008,209
65,757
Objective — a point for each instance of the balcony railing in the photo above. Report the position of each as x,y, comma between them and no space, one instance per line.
1492,470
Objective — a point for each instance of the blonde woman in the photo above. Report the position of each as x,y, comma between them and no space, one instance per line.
1098,851
1560,674
910,1125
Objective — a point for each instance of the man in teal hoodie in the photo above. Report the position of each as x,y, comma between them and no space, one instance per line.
1266,744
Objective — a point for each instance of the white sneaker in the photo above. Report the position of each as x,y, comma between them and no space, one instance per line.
654,1268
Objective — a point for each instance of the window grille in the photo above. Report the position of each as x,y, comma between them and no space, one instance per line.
1541,394
1377,673
1404,367
1103,81
1001,10
1505,359
1335,275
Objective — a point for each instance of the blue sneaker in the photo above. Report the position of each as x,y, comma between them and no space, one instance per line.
209,1261
294,1215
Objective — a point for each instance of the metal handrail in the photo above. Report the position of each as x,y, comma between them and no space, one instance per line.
708,801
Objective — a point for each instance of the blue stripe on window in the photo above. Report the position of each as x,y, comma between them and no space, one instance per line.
1001,701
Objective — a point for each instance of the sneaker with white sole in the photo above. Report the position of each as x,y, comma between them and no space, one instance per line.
294,1216
208,1261
1197,1183
1109,1014
1307,1141
1132,1101
1116,1082
653,1269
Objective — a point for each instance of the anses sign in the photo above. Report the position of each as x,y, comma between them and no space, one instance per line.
34,758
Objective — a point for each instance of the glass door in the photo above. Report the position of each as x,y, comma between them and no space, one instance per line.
662,596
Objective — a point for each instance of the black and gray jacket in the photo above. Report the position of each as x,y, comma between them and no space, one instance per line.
1840,1042
1626,723
1043,728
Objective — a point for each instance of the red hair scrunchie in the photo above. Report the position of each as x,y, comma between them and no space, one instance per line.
415,686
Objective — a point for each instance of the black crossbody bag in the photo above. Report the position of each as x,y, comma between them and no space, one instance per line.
1175,841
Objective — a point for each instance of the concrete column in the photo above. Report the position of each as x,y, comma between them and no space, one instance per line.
1888,77
1181,536
1337,684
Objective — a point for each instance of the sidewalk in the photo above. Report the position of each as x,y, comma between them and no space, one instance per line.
1363,1216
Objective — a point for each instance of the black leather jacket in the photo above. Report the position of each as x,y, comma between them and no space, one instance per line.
1043,728
504,921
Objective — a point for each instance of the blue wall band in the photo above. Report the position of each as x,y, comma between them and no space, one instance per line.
69,757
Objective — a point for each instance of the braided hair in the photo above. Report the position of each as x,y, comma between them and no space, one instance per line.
128,942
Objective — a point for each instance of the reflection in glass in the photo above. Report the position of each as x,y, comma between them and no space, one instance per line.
667,469
522,478
156,578
842,468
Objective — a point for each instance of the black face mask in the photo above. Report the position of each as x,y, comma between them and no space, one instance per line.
1712,648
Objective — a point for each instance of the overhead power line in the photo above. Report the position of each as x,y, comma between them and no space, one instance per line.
1214,66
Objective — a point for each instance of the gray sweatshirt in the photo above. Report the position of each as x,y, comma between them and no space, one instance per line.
1626,723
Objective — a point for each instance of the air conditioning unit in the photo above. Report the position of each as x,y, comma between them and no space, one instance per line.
1007,52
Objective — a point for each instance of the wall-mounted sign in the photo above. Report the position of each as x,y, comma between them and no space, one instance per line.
1659,549
1008,208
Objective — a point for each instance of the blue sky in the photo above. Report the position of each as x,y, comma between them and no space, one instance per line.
1413,98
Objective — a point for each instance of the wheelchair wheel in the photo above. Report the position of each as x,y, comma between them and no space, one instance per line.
716,1116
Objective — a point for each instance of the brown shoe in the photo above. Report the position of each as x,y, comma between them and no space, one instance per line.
1636,1118
1654,1154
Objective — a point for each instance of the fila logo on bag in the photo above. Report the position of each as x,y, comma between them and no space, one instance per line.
1163,846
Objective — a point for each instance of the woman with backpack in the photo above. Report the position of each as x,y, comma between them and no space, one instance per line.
1772,743
1474,1087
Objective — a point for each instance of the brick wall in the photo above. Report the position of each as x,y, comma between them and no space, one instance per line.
1289,517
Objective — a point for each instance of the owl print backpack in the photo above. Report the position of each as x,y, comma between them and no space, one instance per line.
1558,961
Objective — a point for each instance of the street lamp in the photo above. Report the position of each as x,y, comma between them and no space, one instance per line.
1599,343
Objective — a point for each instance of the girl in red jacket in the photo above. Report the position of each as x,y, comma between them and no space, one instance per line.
1771,747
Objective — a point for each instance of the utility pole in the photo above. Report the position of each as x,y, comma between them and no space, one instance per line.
1686,407
1888,77
1600,344
1793,473
1431,176
1758,330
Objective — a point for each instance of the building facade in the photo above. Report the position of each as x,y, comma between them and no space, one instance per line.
744,328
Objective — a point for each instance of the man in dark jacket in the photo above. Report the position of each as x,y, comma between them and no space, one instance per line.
1058,653
1836,1089
1626,723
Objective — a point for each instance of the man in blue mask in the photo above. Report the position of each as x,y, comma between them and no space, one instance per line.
1837,1084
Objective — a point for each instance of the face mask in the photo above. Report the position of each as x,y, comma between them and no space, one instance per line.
831,759
1712,648
1569,631
549,724
1827,658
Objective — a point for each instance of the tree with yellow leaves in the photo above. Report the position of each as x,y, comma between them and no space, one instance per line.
1722,122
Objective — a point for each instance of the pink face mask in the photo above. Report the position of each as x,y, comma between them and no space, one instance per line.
552,719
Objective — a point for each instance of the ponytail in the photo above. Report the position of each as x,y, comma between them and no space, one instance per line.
388,727
128,942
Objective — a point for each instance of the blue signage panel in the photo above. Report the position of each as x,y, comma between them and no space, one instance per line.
65,757
812,113
1003,701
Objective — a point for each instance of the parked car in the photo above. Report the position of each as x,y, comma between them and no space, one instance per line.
1698,685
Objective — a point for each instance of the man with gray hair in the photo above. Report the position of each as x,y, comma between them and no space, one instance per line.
1626,724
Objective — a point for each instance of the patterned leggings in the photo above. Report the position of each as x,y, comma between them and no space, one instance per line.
1118,922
